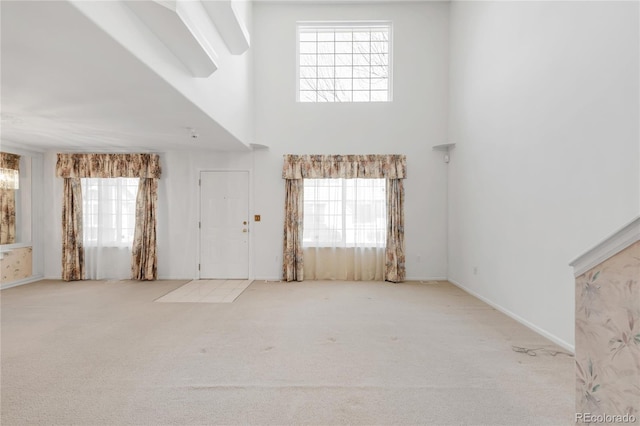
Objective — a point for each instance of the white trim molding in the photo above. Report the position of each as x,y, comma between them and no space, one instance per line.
615,243
571,348
24,281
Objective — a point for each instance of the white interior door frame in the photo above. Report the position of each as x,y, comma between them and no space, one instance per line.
249,222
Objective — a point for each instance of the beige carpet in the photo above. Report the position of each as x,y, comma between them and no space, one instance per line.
330,353
206,291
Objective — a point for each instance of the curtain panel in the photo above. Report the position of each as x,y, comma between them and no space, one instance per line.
292,257
108,166
72,167
8,200
393,168
144,261
395,263
72,247
7,216
9,161
344,166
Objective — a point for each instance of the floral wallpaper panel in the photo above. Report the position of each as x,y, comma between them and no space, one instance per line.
608,336
16,264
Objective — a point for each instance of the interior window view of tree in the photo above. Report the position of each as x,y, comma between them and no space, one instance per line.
342,63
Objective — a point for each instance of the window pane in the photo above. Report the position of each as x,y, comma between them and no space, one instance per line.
325,36
307,36
326,96
326,72
308,84
307,96
362,59
307,60
379,96
361,72
325,84
360,96
308,72
325,47
379,84
379,47
382,72
344,60
344,84
344,72
361,47
361,84
344,96
344,47
326,60
362,36
379,36
380,59
306,47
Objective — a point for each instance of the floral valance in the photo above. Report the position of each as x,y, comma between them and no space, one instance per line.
344,166
108,166
9,161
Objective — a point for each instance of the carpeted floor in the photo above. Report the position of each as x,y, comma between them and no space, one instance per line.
330,353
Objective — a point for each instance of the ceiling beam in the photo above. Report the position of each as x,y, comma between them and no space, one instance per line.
169,21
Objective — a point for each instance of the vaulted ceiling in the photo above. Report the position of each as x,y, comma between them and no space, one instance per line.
68,85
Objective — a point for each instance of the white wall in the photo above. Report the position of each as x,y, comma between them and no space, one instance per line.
179,207
544,111
411,124
52,197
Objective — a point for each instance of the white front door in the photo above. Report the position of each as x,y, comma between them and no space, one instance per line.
224,225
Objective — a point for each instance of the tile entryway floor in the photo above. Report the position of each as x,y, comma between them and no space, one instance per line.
206,291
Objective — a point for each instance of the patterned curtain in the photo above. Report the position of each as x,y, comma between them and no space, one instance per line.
144,263
8,200
72,249
72,167
108,166
292,262
395,264
393,168
8,216
344,166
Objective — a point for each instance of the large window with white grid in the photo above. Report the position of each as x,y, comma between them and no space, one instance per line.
344,62
344,213
109,211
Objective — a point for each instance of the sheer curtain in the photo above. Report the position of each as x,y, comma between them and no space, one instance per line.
109,218
345,227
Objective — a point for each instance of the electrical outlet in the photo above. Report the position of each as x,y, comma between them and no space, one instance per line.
475,270
418,259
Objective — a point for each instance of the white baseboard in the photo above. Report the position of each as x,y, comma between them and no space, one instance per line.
407,279
22,282
555,339
426,279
